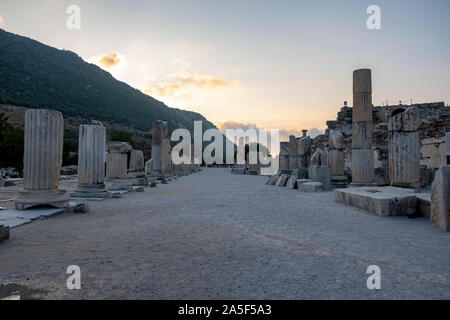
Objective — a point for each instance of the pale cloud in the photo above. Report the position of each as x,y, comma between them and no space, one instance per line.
184,84
1,21
108,60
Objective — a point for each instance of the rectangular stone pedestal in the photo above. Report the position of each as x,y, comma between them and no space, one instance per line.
383,201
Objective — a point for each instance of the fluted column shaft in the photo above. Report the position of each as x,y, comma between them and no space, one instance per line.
91,155
43,149
362,128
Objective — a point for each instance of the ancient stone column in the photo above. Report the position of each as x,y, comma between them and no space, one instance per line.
166,167
160,131
91,162
116,161
404,149
44,131
293,153
440,199
362,128
284,156
137,162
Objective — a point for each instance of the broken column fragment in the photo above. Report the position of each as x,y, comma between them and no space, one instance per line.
43,150
91,162
404,149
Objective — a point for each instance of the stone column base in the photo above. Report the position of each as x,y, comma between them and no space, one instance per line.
57,198
91,191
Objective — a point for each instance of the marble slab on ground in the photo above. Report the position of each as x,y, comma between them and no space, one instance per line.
383,201
14,218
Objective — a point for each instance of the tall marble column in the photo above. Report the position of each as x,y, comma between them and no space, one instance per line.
362,128
116,161
293,153
91,162
44,130
404,149
160,131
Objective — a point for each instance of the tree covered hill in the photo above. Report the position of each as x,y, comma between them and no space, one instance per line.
35,75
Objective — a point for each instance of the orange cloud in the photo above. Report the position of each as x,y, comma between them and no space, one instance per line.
1,20
184,82
107,60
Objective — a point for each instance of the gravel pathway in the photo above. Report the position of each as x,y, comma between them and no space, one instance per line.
215,235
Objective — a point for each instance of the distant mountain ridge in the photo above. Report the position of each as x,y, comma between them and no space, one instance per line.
35,75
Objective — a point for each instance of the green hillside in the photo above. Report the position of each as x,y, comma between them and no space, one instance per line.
35,75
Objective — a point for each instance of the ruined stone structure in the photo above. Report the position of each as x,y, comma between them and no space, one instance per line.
362,154
434,123
116,161
404,149
160,131
42,160
91,162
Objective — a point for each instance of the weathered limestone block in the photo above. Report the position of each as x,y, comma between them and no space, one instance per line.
160,131
383,201
91,162
433,152
319,158
404,159
291,182
293,153
273,179
362,166
320,174
408,120
311,187
440,199
281,182
43,150
137,162
284,155
116,161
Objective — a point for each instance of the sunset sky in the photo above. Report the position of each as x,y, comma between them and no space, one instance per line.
270,64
